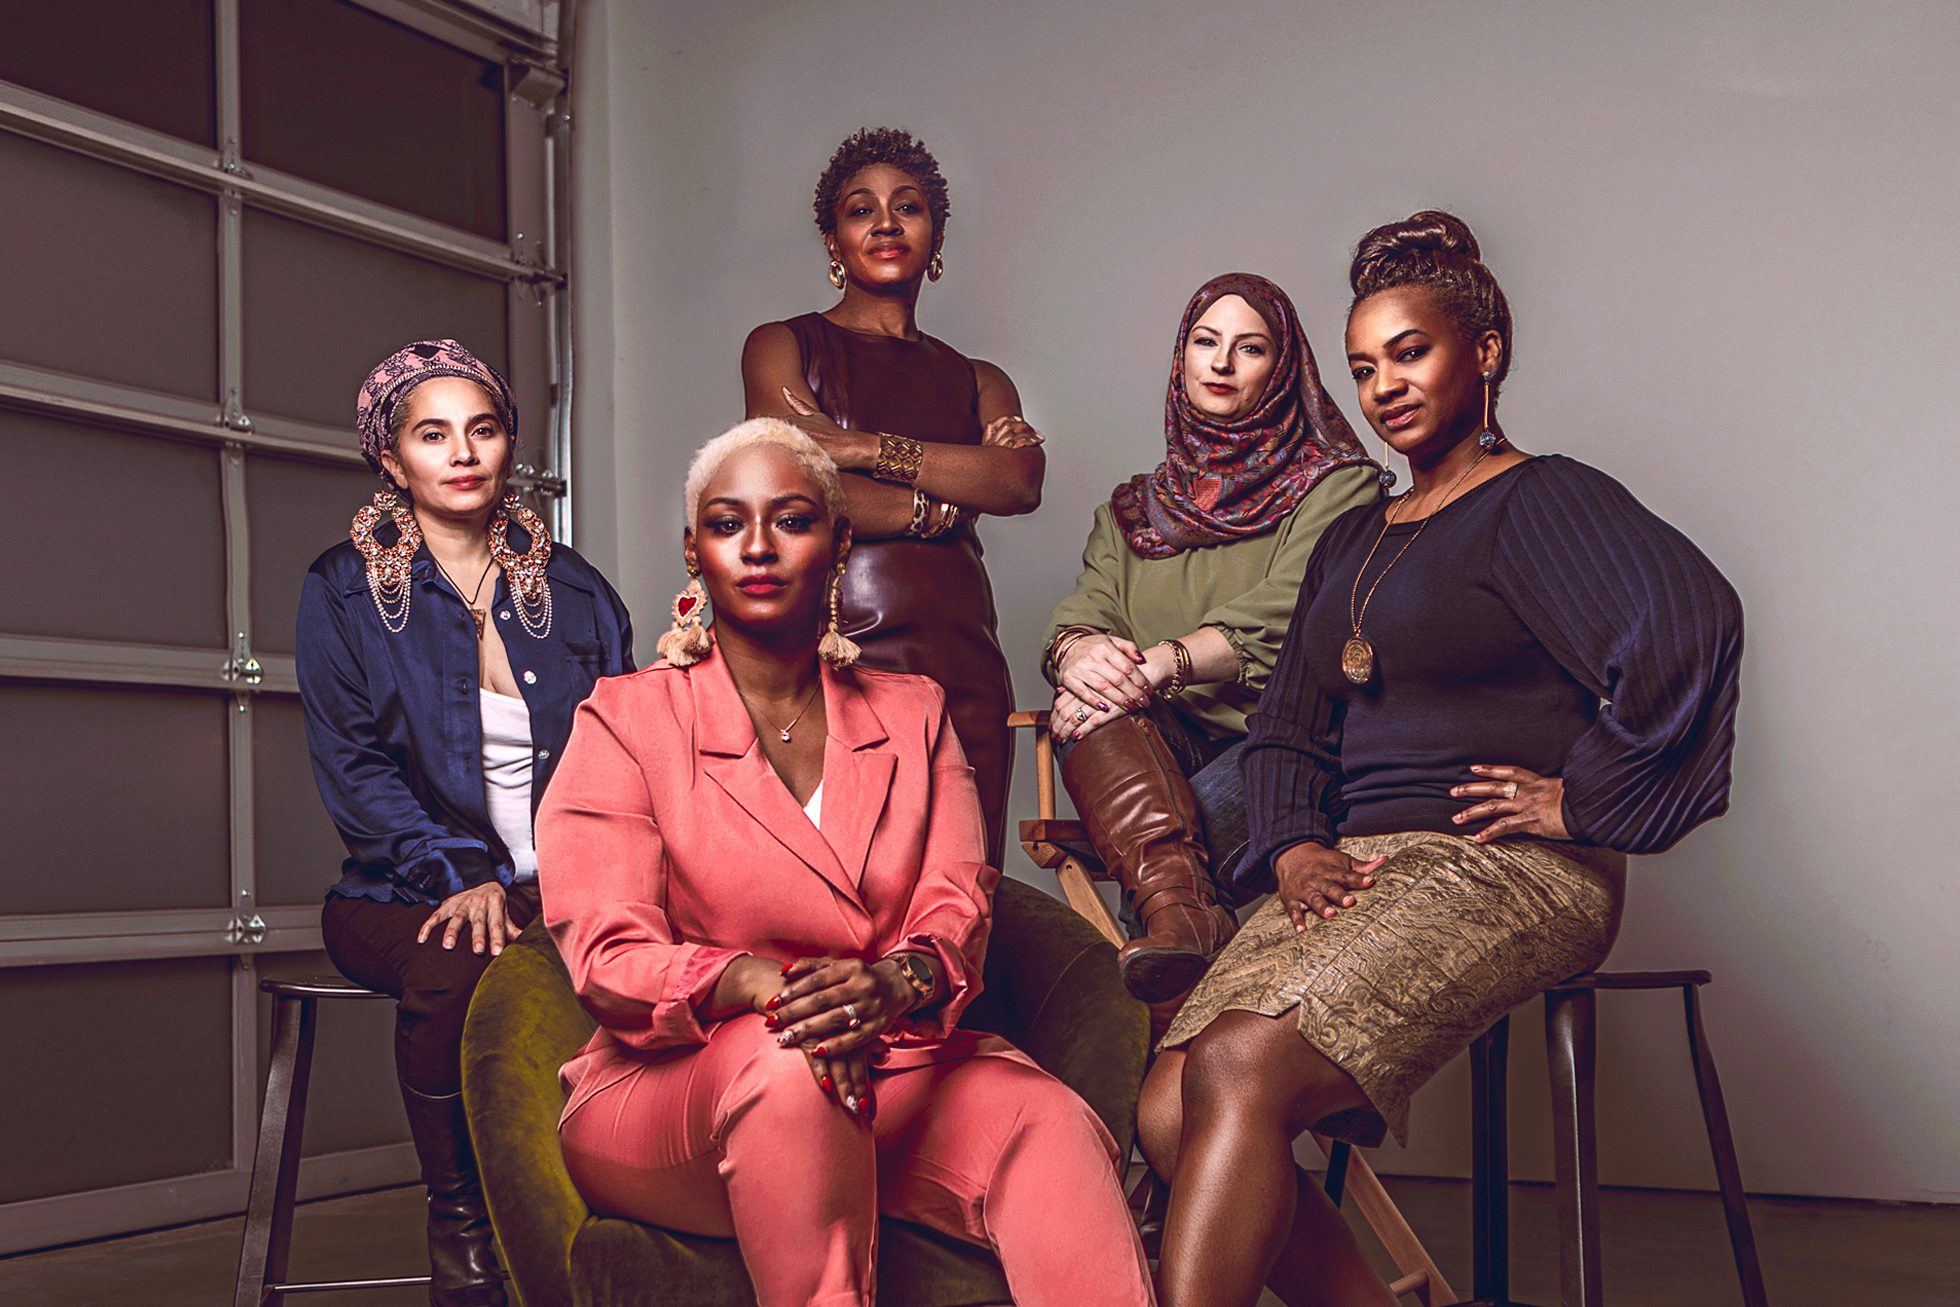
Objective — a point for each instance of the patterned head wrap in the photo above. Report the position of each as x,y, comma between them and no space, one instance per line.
408,367
1227,480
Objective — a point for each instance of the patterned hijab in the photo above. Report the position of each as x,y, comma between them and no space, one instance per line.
1228,480
408,367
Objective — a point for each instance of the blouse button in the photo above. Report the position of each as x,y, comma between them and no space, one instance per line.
504,616
544,753
530,678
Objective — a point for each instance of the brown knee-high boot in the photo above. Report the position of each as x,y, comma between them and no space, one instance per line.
1142,817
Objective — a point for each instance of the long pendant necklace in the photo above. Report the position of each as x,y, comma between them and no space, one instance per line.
1357,655
782,732
477,615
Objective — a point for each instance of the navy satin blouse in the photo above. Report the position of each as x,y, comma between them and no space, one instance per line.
395,726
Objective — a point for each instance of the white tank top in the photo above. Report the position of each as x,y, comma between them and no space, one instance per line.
507,776
814,808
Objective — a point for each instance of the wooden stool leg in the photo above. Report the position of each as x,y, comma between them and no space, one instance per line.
1571,1040
1715,1115
275,1167
1337,1165
1490,1164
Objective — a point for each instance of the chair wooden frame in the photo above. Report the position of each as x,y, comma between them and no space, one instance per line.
1044,839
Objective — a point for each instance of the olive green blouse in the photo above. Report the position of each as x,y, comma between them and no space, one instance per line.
1246,589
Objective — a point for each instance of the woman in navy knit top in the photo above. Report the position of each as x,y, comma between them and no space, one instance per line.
1495,687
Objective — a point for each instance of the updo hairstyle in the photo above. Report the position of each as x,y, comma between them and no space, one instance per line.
888,145
1436,251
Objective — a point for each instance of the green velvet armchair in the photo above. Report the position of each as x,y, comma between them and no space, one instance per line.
1050,986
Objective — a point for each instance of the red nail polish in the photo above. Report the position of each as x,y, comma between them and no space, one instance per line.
770,1023
820,1052
786,967
774,1000
827,1086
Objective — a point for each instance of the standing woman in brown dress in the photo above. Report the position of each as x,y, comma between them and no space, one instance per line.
927,438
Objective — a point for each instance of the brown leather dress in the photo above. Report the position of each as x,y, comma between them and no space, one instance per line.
912,605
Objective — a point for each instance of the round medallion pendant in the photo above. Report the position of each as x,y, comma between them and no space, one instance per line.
1358,660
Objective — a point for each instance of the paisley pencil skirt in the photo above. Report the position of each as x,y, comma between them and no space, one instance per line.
1452,936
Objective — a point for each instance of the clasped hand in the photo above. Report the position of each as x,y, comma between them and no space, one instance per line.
858,450
1102,678
833,1010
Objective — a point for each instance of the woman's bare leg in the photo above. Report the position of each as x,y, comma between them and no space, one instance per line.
1240,1212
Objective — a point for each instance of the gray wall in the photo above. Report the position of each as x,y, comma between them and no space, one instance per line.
1727,232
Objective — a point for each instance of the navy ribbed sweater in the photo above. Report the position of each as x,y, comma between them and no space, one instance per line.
1544,619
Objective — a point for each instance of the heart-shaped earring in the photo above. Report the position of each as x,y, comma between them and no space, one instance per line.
688,641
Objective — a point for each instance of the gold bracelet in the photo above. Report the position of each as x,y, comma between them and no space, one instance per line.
1065,640
898,460
1181,671
921,510
945,517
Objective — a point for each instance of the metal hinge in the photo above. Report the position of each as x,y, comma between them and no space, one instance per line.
525,477
243,666
234,414
246,929
230,162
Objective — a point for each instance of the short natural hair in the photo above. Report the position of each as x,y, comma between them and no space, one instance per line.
764,431
887,145
1438,252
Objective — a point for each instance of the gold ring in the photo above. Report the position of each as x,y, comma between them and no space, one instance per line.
1512,793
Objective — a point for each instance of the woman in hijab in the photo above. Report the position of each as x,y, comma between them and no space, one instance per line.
441,652
1187,586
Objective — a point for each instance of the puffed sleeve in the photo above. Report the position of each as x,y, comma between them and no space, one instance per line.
1639,616
951,911
1255,621
1292,760
1099,599
378,815
602,872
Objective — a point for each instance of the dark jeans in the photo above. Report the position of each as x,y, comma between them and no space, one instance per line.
373,944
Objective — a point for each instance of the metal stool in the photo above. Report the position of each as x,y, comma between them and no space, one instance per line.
275,1167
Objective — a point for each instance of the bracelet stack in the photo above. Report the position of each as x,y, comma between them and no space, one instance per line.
1181,674
931,517
1064,641
899,460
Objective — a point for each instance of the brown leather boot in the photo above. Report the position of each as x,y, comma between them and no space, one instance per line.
1143,819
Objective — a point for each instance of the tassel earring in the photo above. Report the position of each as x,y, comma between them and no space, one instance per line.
836,648
688,641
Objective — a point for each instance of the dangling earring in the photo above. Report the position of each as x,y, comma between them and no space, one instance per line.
388,568
1490,439
688,642
525,571
1386,475
836,648
837,274
937,268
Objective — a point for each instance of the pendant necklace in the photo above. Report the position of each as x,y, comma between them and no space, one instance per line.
477,615
782,732
1357,655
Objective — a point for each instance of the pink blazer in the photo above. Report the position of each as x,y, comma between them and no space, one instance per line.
668,846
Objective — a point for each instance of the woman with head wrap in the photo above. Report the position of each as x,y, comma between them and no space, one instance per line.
1187,585
441,652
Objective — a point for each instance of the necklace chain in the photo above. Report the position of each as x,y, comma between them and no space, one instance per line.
477,615
782,732
1358,649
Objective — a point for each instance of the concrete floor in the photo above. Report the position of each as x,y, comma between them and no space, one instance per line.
1662,1249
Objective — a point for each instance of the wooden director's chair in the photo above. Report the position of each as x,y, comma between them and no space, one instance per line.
1047,841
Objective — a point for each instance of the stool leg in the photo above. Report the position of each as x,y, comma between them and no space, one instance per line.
1337,1164
1715,1115
275,1167
1572,1041
1490,1164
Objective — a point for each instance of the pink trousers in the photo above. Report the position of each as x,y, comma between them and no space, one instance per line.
736,1139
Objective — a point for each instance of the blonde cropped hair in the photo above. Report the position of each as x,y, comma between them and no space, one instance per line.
764,431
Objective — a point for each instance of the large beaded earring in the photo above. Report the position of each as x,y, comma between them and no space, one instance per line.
836,648
388,568
688,641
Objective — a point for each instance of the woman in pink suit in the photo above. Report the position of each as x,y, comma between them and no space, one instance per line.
766,872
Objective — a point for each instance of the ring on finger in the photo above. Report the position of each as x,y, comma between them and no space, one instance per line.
851,1021
1081,714
1511,789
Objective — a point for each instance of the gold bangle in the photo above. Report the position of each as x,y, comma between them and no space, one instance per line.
1065,640
898,460
1181,669
921,511
945,517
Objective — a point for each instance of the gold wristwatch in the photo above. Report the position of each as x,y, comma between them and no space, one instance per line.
917,974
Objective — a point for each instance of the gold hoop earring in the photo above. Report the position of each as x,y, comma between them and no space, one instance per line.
837,274
937,268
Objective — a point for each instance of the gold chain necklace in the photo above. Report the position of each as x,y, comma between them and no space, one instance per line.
782,732
1357,655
